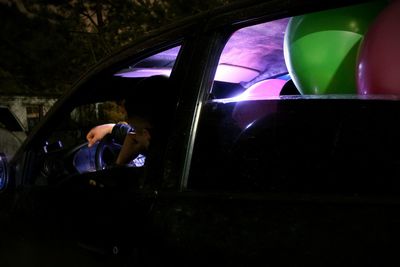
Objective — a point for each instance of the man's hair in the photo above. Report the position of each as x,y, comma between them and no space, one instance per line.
153,99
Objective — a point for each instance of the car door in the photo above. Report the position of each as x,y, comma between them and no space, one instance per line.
59,207
274,176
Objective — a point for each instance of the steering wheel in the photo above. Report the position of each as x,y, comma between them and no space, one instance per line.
102,155
106,153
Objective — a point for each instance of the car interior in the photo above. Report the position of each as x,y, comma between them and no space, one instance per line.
286,129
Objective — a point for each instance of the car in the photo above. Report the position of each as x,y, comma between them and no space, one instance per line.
271,160
11,131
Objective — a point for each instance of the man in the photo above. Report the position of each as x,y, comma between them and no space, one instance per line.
148,112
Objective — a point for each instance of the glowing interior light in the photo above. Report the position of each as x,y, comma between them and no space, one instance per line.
136,73
234,74
266,89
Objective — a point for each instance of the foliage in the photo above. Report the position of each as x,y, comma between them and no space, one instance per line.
45,45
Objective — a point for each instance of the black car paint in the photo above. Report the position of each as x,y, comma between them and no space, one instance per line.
92,220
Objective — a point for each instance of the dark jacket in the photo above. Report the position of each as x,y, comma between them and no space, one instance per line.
119,132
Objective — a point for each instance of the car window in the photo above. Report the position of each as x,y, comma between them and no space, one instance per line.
158,64
65,151
72,130
289,110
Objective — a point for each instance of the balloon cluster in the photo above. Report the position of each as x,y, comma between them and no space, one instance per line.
347,50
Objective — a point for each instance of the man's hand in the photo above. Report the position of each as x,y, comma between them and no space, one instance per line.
97,133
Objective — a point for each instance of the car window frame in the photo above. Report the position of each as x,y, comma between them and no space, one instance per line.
217,32
219,29
22,162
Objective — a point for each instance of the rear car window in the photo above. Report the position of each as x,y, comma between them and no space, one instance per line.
293,109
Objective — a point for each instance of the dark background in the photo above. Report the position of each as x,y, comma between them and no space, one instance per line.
45,45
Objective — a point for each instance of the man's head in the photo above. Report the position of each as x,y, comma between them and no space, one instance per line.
152,100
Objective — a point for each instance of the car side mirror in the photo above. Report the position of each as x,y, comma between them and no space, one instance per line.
3,171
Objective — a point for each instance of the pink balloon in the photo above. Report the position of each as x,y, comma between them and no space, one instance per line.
264,89
378,66
246,112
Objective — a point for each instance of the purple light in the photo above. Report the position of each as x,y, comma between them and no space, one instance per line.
263,89
234,74
143,72
252,51
246,112
267,89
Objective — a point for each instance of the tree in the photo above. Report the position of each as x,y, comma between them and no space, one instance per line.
45,45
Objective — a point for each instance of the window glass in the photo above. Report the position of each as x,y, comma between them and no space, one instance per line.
72,130
253,53
101,112
112,92
109,99
286,114
158,64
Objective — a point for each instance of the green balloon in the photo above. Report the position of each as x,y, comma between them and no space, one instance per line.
321,48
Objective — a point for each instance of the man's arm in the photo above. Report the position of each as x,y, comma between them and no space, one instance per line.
97,133
118,132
